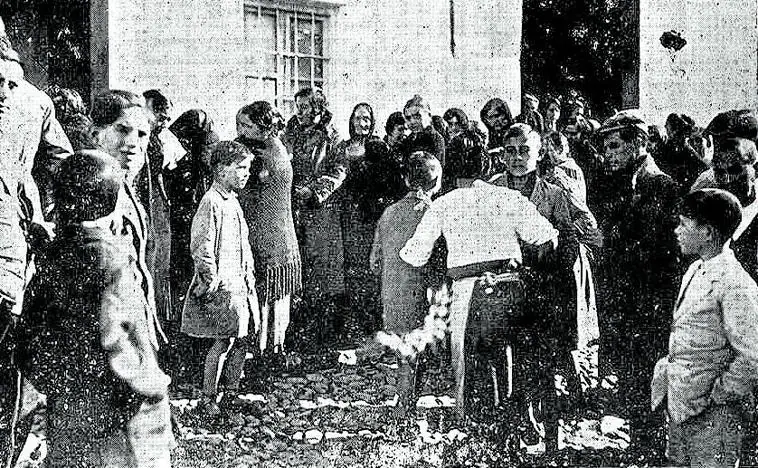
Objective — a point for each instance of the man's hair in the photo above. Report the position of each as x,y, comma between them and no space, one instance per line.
87,187
67,101
713,207
454,112
680,123
226,153
418,101
110,106
733,144
423,171
316,96
396,118
260,113
160,102
521,130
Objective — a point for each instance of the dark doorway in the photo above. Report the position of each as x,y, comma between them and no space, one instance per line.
589,46
52,38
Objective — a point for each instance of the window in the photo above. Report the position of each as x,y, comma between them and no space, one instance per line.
286,51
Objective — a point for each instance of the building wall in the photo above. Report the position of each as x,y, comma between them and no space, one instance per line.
382,52
385,51
715,71
191,49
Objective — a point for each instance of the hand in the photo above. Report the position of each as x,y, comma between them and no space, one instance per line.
303,193
39,233
213,286
204,288
659,385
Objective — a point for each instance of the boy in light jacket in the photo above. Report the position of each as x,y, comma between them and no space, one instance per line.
707,377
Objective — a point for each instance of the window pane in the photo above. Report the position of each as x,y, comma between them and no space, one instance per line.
260,33
304,69
319,38
288,78
319,68
304,84
304,31
292,32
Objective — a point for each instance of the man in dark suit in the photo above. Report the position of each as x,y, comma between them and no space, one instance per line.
639,269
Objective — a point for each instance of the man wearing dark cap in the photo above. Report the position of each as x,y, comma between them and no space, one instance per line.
639,269
707,378
734,158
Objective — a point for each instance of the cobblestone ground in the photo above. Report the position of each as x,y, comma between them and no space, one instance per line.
337,410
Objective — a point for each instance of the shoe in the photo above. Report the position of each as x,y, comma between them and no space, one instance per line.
528,433
231,400
208,407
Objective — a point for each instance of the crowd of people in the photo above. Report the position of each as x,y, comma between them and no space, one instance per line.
141,255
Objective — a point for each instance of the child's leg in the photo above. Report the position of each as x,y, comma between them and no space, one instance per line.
235,361
220,345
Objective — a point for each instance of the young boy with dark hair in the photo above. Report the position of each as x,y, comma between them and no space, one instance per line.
87,343
710,369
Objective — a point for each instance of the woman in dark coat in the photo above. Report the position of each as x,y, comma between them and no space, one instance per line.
373,182
267,204
185,185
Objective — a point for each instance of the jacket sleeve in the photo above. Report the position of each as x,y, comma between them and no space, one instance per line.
54,148
125,334
740,314
203,240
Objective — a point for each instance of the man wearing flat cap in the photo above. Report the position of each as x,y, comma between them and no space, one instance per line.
734,157
639,269
31,140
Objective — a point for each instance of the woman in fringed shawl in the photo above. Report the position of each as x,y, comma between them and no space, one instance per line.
267,205
186,184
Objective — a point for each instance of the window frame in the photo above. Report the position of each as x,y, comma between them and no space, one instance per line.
284,12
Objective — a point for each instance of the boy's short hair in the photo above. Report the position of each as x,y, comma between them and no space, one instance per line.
419,102
109,106
525,131
88,186
423,171
396,118
714,207
226,153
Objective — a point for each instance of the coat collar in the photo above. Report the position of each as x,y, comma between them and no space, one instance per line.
225,194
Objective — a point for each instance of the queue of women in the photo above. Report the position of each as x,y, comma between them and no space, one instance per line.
175,255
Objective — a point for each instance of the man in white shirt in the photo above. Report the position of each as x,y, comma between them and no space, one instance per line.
484,227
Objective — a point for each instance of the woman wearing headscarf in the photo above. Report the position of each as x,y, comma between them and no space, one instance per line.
267,205
186,185
497,117
373,183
